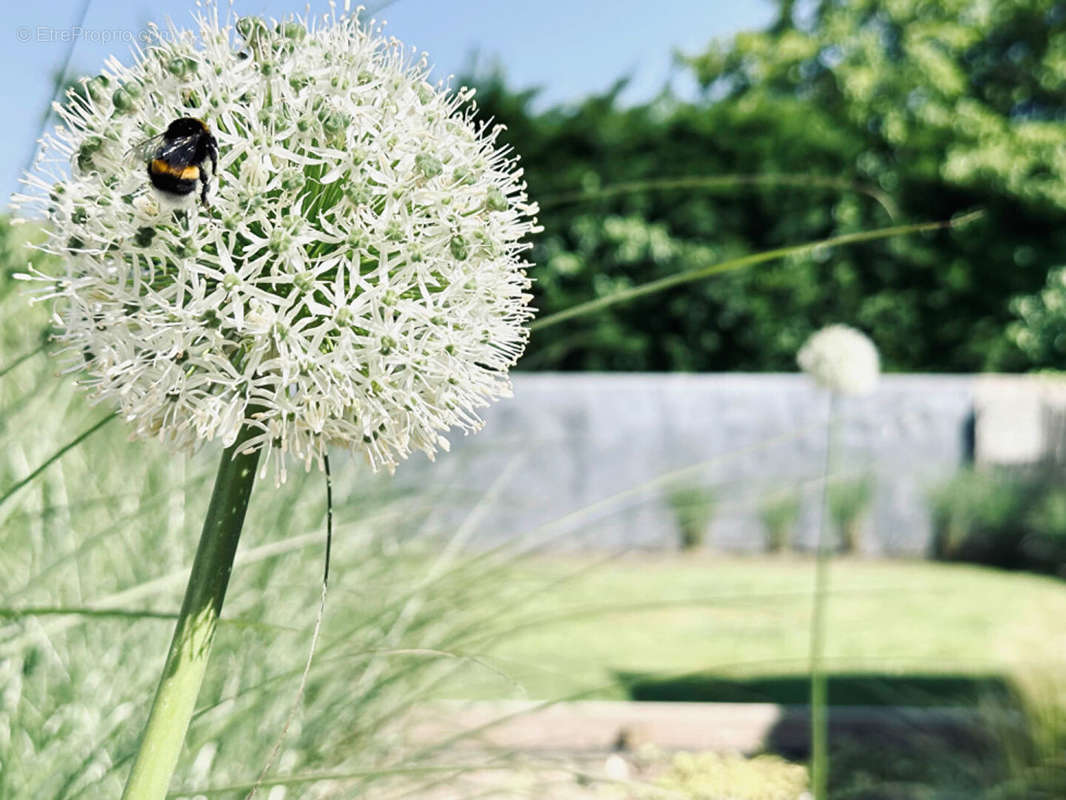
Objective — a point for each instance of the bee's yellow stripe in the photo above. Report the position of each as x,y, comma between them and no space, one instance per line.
189,173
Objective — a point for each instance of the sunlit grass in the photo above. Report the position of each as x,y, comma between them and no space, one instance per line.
749,616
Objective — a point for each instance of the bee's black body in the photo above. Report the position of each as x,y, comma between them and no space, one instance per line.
176,158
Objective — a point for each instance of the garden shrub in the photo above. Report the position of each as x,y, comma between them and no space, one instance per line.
713,776
849,502
1013,518
779,514
693,509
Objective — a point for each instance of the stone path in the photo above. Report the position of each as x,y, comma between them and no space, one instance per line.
617,750
603,727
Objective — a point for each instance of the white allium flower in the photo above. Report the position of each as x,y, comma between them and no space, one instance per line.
356,279
842,359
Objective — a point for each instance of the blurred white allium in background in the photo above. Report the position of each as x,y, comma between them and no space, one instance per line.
357,278
842,359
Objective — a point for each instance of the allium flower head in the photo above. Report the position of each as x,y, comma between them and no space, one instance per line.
356,278
842,359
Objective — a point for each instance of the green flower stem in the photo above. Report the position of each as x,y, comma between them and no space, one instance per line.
819,687
186,662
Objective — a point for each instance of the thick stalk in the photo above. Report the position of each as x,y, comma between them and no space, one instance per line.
819,687
186,662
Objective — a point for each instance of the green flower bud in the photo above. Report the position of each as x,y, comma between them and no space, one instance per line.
122,101
428,165
293,30
459,247
251,27
464,176
495,200
335,122
177,66
97,87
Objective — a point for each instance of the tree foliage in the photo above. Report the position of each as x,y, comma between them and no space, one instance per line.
844,115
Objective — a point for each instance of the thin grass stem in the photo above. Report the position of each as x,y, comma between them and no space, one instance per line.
712,182
733,264
58,454
21,359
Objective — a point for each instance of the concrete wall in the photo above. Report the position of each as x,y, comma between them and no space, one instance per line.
586,459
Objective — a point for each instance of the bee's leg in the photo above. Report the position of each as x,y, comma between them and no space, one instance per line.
212,153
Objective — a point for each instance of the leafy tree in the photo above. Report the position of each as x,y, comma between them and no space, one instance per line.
894,111
1040,331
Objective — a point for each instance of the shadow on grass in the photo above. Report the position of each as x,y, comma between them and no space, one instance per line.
845,689
891,737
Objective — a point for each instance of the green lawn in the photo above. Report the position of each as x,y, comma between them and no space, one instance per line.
744,619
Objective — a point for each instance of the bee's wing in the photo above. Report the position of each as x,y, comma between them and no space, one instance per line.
146,150
180,151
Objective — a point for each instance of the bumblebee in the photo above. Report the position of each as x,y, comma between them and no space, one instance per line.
176,159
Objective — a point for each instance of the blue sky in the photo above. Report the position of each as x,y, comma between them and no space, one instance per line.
570,48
